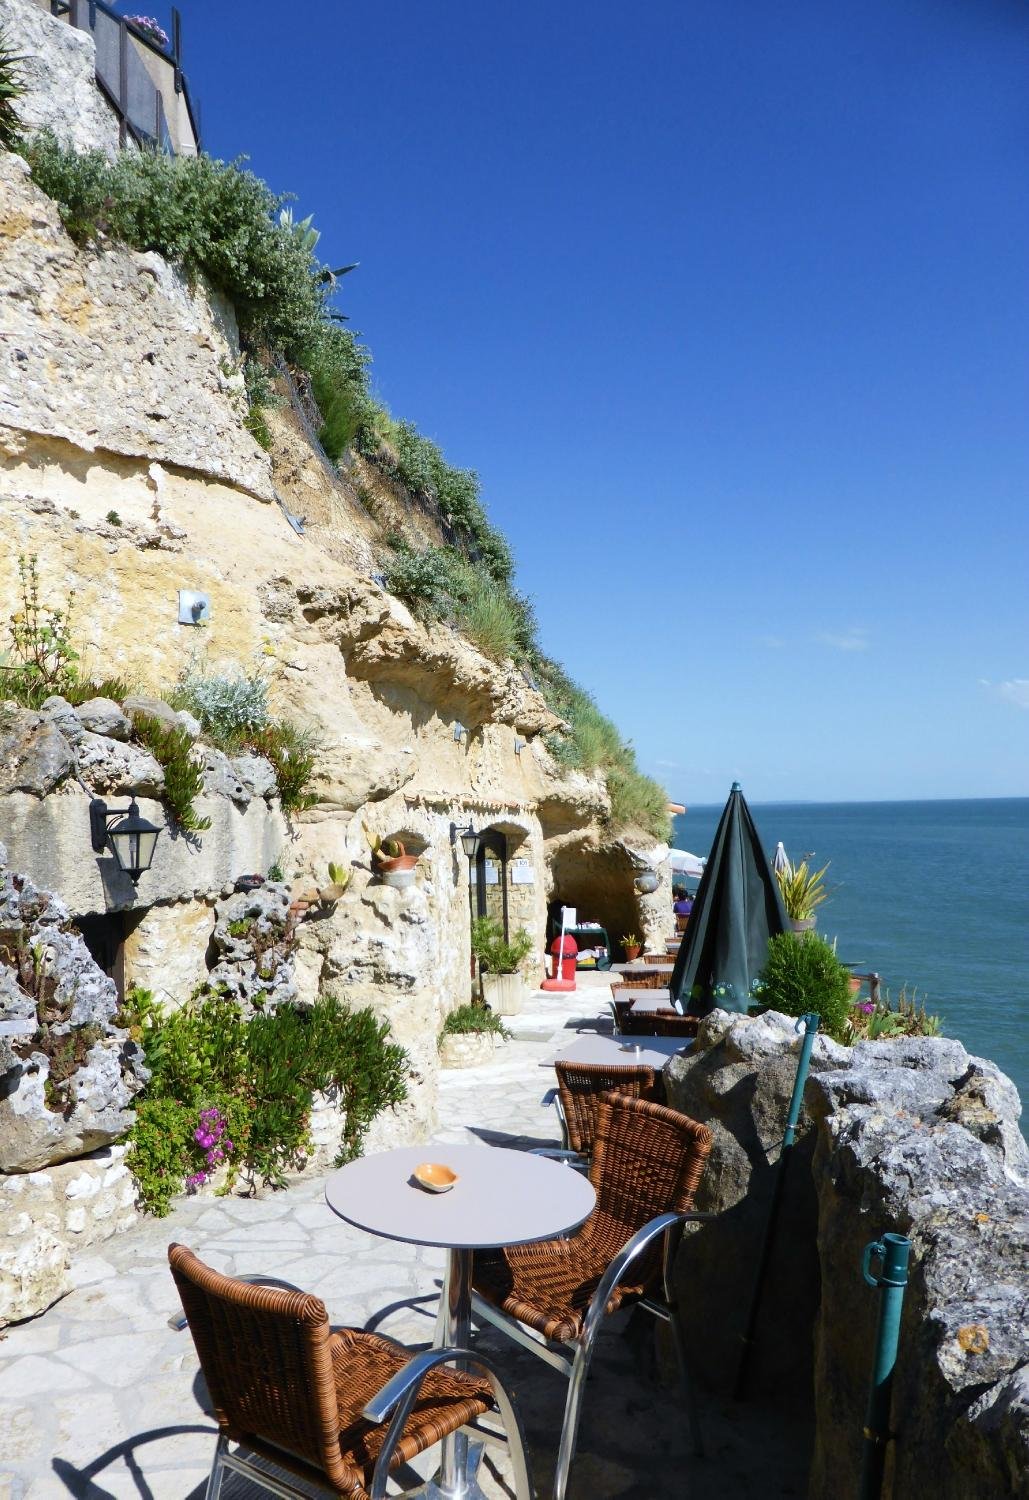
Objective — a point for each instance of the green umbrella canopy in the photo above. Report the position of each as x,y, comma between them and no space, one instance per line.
737,908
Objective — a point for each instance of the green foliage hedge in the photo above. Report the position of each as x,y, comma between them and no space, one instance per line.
259,1075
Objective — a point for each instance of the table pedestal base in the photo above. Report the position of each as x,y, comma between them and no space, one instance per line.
464,1485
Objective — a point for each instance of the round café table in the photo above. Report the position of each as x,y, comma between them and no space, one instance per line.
501,1197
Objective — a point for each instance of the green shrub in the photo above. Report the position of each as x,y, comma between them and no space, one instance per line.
495,955
291,752
803,974
468,1019
42,660
183,773
229,706
258,1076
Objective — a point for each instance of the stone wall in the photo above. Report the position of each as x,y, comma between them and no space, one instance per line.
911,1135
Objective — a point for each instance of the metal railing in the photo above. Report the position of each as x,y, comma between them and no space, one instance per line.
142,81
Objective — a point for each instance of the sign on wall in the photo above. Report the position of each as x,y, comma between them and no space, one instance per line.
492,871
522,872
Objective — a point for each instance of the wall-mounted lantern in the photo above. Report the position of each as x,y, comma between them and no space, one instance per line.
131,839
460,732
519,745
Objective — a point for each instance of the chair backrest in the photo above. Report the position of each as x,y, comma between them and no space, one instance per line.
671,1023
646,1160
579,1084
265,1357
649,979
681,921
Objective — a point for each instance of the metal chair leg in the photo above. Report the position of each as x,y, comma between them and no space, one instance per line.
573,1412
214,1483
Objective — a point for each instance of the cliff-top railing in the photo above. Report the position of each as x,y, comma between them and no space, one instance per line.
142,80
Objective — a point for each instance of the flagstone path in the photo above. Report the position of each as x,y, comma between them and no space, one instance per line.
101,1399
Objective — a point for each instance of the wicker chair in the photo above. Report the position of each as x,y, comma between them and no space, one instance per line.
578,1085
648,979
288,1391
681,922
552,1297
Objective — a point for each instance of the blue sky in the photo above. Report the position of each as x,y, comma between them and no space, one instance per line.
728,305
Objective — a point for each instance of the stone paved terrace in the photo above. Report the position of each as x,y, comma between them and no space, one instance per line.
99,1398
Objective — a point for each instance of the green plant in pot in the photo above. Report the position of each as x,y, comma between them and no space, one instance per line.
803,891
500,961
803,974
392,861
632,945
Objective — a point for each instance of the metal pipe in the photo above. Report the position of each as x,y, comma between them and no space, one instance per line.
892,1251
809,1021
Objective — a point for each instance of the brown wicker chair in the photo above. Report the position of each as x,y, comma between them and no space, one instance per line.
579,1084
647,1162
647,979
681,922
286,1390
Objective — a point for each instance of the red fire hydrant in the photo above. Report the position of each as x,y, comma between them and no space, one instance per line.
564,955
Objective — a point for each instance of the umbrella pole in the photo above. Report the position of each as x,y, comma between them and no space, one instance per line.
810,1023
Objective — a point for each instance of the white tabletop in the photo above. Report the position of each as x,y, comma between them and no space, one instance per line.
642,992
615,1051
501,1197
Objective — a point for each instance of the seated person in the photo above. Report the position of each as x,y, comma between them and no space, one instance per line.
682,904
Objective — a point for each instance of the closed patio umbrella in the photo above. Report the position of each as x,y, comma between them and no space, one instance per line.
781,860
736,910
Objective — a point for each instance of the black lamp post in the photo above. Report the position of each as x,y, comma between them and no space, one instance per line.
470,841
131,839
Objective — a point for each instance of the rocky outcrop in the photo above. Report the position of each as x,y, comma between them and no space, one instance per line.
48,1216
65,1088
911,1135
253,940
115,351
57,67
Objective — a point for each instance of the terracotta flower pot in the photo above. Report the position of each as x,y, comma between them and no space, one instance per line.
632,953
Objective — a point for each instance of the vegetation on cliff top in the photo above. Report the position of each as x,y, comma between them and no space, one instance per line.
221,222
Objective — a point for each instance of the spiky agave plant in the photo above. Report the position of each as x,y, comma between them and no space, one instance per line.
11,88
803,890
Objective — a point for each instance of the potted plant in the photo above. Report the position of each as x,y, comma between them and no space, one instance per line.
632,945
803,891
503,985
469,1036
391,859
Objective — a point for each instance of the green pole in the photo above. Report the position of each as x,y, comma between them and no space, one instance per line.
809,1021
892,1252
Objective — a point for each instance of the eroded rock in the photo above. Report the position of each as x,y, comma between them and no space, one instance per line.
111,768
66,1088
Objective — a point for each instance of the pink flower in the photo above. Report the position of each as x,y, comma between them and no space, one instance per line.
866,1007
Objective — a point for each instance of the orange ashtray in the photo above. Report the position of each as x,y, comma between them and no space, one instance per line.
434,1177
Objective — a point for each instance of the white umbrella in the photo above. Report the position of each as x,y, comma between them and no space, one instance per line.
684,863
781,860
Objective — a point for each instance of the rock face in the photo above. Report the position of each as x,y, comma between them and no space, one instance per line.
49,1215
254,942
894,1153
58,71
913,1136
66,1088
115,351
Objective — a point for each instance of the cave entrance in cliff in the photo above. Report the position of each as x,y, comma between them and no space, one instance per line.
104,934
491,877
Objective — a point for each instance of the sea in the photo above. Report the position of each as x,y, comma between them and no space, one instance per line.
934,896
